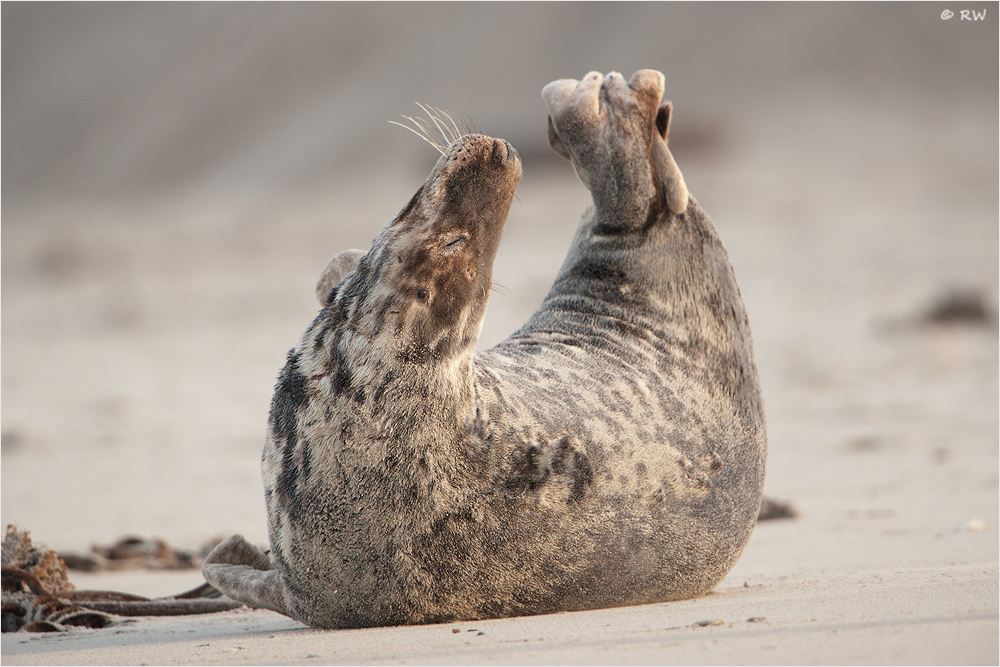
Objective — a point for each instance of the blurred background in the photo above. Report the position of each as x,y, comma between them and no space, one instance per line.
176,175
111,99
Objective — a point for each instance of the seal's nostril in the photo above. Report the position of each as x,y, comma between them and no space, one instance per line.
503,152
500,150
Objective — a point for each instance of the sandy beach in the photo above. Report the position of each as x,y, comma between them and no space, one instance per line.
175,178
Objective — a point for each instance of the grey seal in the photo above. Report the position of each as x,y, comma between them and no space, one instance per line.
610,452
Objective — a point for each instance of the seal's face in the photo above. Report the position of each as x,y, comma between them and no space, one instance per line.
428,275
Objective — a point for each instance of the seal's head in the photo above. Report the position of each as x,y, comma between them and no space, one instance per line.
421,290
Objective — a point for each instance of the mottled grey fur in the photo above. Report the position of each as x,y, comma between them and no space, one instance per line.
610,452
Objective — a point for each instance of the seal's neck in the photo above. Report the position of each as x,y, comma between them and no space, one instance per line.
402,389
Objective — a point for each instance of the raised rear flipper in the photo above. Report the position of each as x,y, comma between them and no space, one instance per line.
615,134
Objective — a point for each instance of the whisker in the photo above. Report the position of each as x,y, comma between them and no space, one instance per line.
504,292
420,133
439,122
474,126
454,125
517,201
434,119
442,128
459,123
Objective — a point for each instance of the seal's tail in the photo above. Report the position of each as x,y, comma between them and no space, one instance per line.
245,573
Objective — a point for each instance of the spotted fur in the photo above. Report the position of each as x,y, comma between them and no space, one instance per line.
610,452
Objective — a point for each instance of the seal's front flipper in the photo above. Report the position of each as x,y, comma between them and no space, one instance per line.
335,271
245,573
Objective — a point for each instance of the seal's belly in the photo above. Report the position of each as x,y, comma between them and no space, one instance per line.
591,478
585,489
647,428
